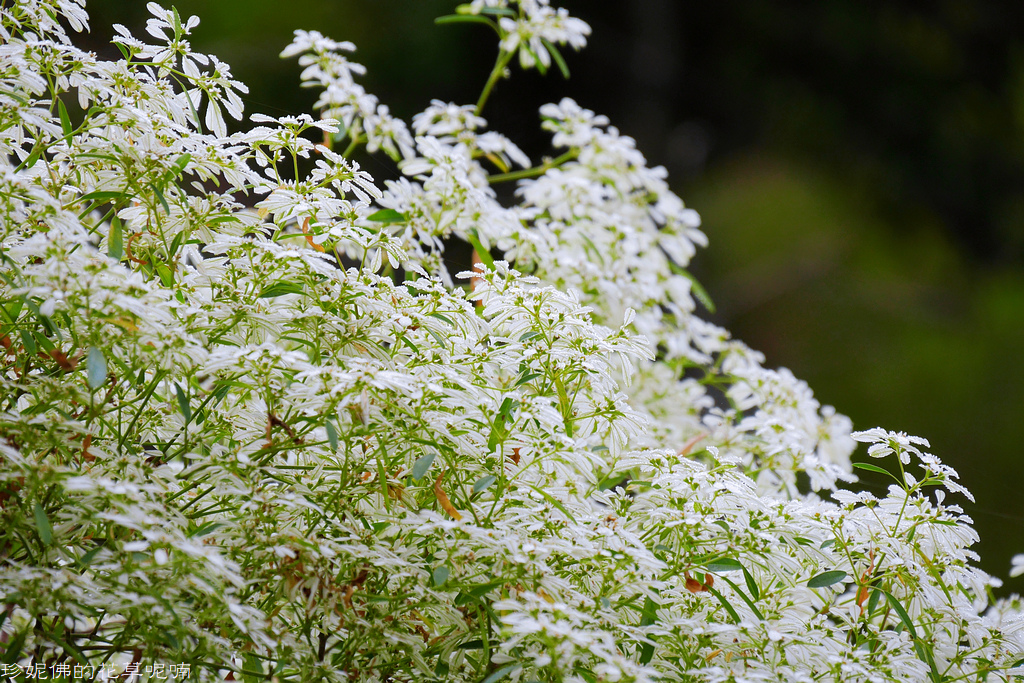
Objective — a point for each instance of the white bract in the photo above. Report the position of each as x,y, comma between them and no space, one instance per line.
251,423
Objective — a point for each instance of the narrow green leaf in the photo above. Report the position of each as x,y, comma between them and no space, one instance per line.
873,468
387,216
176,243
501,673
462,19
65,120
492,11
160,196
29,342
558,506
332,435
440,575
183,405
280,289
646,653
724,564
923,653
484,589
12,651
165,274
207,528
475,644
557,57
648,616
115,241
725,603
43,525
422,464
826,579
827,544
104,196
696,287
873,601
743,596
755,592
252,668
84,560
483,254
32,158
178,167
483,483
96,367
526,377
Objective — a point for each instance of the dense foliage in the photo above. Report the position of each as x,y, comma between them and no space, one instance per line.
251,422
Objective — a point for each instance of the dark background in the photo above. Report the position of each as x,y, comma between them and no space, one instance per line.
858,165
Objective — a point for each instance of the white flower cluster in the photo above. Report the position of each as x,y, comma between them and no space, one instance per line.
249,422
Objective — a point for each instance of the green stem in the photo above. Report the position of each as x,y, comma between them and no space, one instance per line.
352,146
499,68
536,170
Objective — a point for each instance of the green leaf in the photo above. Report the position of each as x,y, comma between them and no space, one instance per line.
828,543
874,468
332,435
115,241
280,289
103,196
166,276
43,525
175,243
873,601
499,430
96,367
84,560
178,167
612,480
462,19
32,159
725,603
696,287
387,216
483,482
207,528
724,564
183,405
440,575
923,652
65,120
160,196
476,644
422,464
557,56
12,651
648,616
501,673
483,254
826,579
28,342
558,506
743,596
755,592
526,377
252,668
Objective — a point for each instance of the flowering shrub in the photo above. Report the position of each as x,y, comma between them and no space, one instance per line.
252,424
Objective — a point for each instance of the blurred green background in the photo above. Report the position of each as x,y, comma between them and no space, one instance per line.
859,165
